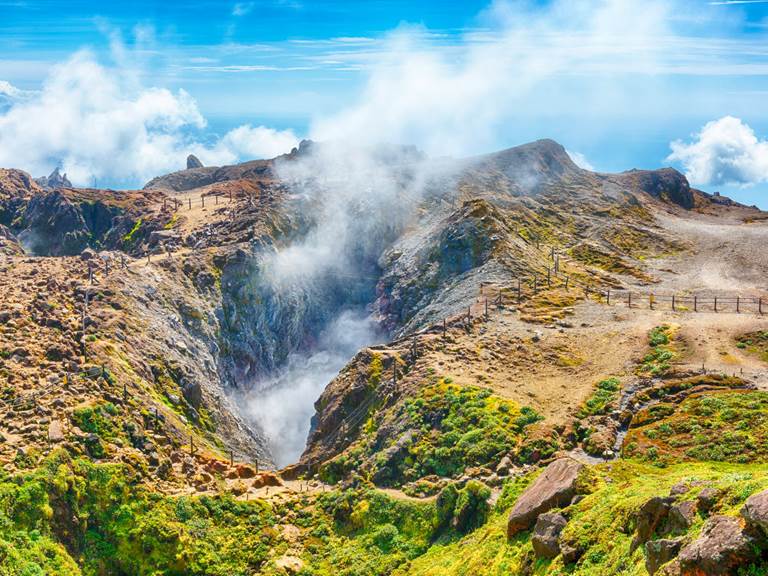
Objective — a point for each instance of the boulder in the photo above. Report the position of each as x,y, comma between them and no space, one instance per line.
659,552
755,511
554,487
681,516
721,547
55,431
546,534
707,499
649,518
679,489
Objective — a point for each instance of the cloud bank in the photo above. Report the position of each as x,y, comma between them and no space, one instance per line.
725,152
99,126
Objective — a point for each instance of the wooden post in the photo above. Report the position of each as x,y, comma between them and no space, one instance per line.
394,371
231,457
535,282
738,301
445,329
566,282
486,308
760,305
552,253
156,417
629,299
608,296
216,199
230,195
695,304
125,393
673,302
190,203
715,303
202,200
650,300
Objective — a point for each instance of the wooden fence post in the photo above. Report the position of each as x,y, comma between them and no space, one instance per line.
650,300
737,304
629,299
715,303
190,203
445,329
673,302
760,305
608,297
695,304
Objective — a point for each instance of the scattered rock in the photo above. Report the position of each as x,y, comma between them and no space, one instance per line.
290,564
721,547
554,487
659,552
681,516
55,431
679,489
707,499
755,511
546,534
650,516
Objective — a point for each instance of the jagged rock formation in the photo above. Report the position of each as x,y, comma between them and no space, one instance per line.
54,181
193,162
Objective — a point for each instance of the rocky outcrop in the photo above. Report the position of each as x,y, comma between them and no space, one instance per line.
54,181
720,549
546,534
666,184
9,244
650,518
193,162
555,487
53,226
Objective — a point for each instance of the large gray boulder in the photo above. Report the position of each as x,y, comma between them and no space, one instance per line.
720,549
555,487
755,511
546,534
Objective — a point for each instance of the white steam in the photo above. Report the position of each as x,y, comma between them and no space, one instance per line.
283,405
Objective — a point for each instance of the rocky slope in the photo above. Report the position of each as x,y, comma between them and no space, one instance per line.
130,318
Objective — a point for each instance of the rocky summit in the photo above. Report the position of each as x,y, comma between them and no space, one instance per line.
379,363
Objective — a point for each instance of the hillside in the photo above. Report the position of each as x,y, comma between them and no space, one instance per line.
567,373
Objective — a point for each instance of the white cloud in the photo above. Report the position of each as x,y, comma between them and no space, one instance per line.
242,8
99,125
726,151
452,100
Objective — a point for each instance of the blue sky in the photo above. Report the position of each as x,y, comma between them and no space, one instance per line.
614,81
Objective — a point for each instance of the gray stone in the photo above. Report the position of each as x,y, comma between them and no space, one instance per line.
546,534
721,547
659,552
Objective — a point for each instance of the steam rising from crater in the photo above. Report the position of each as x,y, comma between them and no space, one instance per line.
360,194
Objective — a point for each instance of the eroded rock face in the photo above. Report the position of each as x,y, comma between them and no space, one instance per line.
721,547
53,226
555,487
650,518
755,510
546,534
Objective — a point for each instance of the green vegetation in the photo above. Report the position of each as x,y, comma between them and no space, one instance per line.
755,343
602,400
657,361
601,526
724,427
128,238
446,429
